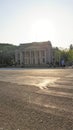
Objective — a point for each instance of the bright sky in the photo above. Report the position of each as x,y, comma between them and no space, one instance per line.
23,21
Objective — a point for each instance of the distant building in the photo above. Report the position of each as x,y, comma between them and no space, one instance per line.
34,54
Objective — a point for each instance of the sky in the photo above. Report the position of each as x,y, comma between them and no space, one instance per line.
25,21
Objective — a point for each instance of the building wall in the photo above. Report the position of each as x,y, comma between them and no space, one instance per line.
34,54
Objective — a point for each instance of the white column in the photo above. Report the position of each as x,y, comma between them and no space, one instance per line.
35,57
40,56
25,57
30,56
45,57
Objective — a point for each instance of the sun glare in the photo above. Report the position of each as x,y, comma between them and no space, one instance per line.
43,30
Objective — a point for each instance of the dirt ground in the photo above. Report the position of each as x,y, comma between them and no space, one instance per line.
36,99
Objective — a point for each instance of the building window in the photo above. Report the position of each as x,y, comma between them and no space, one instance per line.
32,53
33,61
23,53
27,54
28,61
19,61
18,56
37,53
42,53
25,61
43,60
38,61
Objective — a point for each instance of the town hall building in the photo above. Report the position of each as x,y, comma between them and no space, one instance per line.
34,54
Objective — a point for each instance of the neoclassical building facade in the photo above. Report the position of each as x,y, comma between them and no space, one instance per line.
34,54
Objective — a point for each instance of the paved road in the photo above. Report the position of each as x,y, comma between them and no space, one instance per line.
36,99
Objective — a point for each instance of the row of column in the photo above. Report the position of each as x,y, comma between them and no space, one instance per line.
35,59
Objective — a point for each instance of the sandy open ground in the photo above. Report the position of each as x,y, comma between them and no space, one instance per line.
36,99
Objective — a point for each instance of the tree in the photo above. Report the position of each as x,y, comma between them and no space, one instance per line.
70,57
71,47
7,54
59,55
56,56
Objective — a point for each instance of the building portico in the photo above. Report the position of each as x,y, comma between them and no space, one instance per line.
34,54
